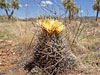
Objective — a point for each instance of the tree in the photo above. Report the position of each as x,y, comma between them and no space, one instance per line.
7,6
70,5
96,7
75,11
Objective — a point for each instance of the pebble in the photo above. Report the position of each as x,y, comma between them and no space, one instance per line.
1,40
13,53
0,62
9,41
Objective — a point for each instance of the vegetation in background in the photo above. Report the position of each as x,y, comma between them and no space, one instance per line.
96,7
70,5
7,6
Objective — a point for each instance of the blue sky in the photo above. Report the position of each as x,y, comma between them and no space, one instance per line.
35,8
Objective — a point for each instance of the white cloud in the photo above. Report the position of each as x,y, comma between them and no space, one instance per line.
46,2
43,5
26,5
81,11
20,5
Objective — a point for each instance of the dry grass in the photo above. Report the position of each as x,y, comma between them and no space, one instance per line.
20,32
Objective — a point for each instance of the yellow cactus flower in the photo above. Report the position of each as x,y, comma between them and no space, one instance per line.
60,29
51,25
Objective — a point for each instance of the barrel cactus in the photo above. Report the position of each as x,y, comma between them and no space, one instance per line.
51,50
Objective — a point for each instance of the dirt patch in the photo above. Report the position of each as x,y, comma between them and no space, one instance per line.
9,56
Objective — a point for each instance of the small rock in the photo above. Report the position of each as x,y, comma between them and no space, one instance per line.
9,41
13,53
1,40
0,62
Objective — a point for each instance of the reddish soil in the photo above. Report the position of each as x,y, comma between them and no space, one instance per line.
9,56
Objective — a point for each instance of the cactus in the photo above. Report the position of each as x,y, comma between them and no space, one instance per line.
50,51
